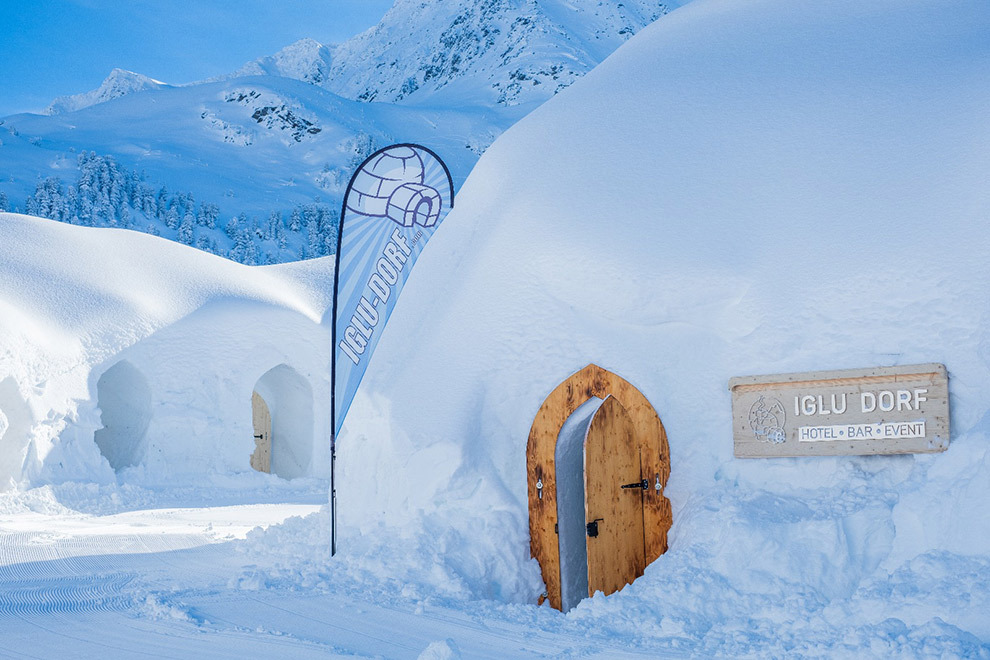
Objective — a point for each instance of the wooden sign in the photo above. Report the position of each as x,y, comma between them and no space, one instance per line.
881,410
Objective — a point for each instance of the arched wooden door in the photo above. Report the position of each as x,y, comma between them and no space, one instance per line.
650,441
613,500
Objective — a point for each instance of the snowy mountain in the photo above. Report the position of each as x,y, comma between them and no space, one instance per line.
258,163
307,60
277,140
117,84
505,52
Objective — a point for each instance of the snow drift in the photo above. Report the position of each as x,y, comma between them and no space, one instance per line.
743,188
126,351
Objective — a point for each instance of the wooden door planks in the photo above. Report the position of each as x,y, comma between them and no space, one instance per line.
261,459
616,555
592,381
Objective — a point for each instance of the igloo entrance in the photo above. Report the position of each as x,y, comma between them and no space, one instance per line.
124,399
569,459
282,416
624,468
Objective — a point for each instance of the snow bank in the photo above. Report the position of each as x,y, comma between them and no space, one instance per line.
743,188
125,352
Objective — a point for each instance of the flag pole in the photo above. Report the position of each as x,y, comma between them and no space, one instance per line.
333,372
333,329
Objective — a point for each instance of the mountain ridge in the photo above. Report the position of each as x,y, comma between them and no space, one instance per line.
283,133
525,51
119,82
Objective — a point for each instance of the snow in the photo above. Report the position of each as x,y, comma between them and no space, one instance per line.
250,145
116,337
492,53
119,83
307,60
285,132
789,188
742,188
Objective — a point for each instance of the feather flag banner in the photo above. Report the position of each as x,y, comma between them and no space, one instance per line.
395,201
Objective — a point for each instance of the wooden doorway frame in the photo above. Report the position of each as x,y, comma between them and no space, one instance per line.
592,381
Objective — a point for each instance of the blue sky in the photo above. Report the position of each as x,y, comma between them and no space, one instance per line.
49,48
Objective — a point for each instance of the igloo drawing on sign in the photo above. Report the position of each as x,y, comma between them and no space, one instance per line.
391,186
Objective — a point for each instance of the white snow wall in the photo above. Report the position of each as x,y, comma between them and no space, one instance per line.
744,188
124,352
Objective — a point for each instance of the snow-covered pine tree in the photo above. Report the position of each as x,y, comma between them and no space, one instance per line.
185,234
172,216
147,203
207,215
274,226
314,241
72,205
244,250
162,199
106,194
48,200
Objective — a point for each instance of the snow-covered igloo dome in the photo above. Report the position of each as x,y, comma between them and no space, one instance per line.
740,189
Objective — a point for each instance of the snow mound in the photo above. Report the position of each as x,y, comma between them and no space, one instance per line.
119,83
126,353
741,189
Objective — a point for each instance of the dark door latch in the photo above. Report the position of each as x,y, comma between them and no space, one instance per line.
643,485
593,527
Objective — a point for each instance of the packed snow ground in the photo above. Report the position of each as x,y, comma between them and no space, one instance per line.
104,579
814,198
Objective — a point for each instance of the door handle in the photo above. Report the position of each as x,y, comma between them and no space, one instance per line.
592,527
641,485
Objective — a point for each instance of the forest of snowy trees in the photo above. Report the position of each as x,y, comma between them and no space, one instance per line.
108,195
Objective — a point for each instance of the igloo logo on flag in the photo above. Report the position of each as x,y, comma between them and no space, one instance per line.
393,204
392,184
